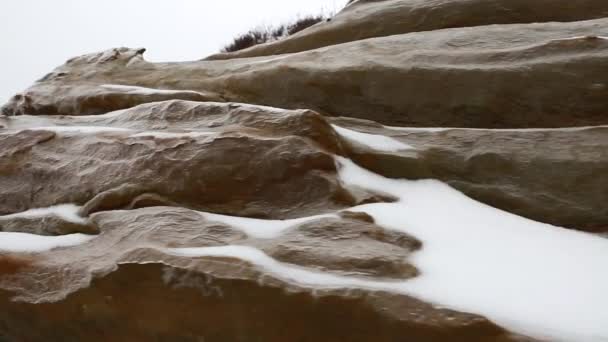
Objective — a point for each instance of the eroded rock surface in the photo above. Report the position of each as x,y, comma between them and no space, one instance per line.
93,294
480,73
232,173
364,19
550,175
163,201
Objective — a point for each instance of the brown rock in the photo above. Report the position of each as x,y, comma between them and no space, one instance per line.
350,246
178,115
376,18
116,285
554,176
478,71
46,225
163,303
230,173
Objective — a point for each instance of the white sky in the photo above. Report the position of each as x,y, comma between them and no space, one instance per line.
38,35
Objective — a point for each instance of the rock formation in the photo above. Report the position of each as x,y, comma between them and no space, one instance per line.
295,192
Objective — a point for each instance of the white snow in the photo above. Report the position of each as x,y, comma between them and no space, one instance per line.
68,212
443,129
80,129
258,228
532,278
167,135
583,37
105,129
144,90
30,243
373,141
291,273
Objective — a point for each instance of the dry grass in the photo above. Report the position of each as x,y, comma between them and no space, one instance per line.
267,34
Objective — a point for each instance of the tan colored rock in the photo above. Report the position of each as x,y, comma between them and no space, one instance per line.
502,76
185,116
123,279
555,176
143,302
231,173
538,174
46,225
356,247
372,18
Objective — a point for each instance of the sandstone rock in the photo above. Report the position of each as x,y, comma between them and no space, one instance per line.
47,225
212,217
185,116
212,298
230,173
372,18
337,244
219,309
549,175
393,80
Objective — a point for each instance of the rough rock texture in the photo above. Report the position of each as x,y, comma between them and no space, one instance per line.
211,217
478,71
528,172
224,309
550,175
217,299
46,225
230,173
377,18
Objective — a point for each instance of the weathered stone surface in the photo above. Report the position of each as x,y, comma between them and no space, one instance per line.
95,98
553,176
213,298
549,175
231,173
478,71
356,246
218,309
372,18
46,225
150,157
185,116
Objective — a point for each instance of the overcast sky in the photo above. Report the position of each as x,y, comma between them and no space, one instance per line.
38,35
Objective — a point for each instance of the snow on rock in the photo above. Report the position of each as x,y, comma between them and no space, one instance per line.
537,279
68,212
373,141
80,129
168,135
144,90
298,275
259,228
31,243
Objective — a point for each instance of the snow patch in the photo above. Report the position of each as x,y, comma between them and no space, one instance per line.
262,229
533,278
589,37
67,212
443,129
80,129
167,135
30,243
288,272
373,141
145,91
